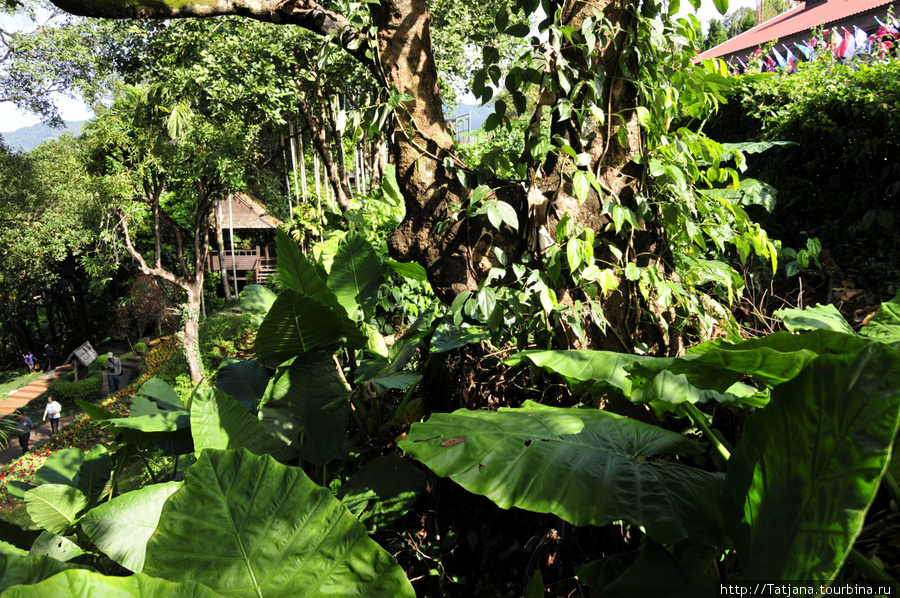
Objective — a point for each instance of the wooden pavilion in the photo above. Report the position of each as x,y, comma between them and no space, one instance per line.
242,215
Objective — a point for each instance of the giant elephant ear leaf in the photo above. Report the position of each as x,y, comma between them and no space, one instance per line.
54,507
220,422
355,275
587,466
79,583
298,324
885,324
122,526
256,301
246,381
809,464
249,526
818,317
300,274
27,570
305,408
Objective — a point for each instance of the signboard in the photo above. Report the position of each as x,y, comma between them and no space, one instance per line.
85,354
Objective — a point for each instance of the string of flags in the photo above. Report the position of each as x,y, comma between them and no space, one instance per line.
842,45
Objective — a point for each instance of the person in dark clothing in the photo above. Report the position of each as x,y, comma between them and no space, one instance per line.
113,371
24,427
51,357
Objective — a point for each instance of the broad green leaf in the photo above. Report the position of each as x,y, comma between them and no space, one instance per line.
54,507
7,549
390,483
79,583
249,526
819,317
220,422
298,273
162,393
755,147
256,301
410,270
375,341
164,421
580,185
721,6
142,406
808,465
584,366
95,471
96,413
61,468
27,570
885,324
305,407
448,337
298,324
587,466
355,275
653,573
57,547
122,526
246,381
401,380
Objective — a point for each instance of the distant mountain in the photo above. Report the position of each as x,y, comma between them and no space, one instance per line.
28,138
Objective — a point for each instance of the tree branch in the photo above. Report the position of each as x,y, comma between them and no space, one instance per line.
305,13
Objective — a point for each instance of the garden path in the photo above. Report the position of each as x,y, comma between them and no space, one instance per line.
41,433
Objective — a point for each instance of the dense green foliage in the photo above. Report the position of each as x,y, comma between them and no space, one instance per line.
837,181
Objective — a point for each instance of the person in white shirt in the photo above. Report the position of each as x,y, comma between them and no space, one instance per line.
52,410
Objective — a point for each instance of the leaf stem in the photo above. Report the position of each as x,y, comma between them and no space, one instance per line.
402,406
890,484
700,421
868,568
147,465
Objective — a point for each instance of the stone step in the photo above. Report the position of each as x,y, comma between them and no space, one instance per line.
27,393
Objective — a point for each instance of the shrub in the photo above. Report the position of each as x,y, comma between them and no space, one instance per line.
67,393
223,336
140,348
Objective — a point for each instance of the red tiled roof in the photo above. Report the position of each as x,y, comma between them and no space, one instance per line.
796,20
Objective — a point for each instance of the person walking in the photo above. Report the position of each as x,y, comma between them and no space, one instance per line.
52,410
23,427
29,361
51,357
114,370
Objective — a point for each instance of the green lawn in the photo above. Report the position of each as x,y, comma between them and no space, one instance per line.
14,380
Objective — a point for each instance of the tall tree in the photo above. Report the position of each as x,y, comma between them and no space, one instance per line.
168,165
591,89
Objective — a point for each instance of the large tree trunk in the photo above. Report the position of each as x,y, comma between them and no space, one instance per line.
191,330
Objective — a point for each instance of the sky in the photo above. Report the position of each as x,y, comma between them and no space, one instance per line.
12,118
708,9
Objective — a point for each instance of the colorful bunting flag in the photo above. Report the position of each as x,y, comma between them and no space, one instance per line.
791,59
782,63
862,40
848,45
836,42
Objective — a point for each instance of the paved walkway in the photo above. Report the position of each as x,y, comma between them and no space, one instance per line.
41,433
